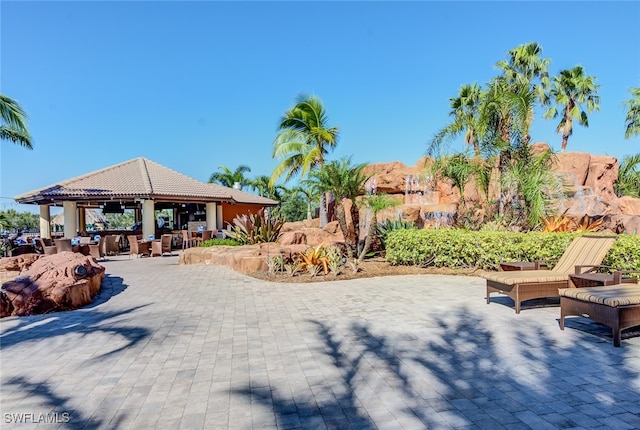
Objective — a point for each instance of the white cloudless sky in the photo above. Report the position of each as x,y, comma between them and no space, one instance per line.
196,85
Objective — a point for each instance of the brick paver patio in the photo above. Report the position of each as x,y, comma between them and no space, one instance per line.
170,346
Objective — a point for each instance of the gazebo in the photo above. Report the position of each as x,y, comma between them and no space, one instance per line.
144,186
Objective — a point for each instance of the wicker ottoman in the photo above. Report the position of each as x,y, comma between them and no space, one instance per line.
616,306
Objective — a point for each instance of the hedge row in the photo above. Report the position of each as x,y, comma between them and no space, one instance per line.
486,249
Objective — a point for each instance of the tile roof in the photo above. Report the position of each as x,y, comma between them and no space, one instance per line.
138,178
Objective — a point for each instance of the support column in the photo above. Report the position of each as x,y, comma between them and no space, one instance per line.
219,222
70,226
148,219
45,222
82,219
212,216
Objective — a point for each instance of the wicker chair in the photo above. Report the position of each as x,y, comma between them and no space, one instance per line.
166,240
583,254
63,245
207,235
188,242
98,250
47,247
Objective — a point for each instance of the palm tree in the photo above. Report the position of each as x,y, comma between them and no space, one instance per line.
629,177
310,194
303,142
633,114
228,178
344,181
375,203
262,184
464,110
525,66
14,123
571,89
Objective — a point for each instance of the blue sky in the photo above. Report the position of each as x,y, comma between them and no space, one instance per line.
196,85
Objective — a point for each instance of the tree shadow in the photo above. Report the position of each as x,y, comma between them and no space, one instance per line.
57,408
111,287
40,327
468,373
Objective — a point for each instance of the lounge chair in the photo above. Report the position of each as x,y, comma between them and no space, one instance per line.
616,306
584,254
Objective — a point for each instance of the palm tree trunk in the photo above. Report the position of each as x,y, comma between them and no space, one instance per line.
324,219
355,219
370,234
342,222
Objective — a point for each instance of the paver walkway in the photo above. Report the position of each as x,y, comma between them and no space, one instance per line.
169,346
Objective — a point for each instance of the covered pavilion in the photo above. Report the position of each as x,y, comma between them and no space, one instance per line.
144,186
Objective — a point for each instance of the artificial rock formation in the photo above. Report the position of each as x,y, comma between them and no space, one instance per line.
62,281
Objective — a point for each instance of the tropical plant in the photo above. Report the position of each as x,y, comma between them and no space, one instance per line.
13,125
387,226
526,67
571,89
229,178
632,120
556,223
304,140
313,259
628,183
255,228
263,186
334,259
310,193
375,203
345,181
464,111
14,220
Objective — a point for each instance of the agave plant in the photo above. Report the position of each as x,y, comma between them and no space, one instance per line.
385,227
255,228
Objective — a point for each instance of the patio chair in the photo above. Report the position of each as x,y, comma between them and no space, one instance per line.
113,244
134,246
47,247
188,242
166,240
207,235
63,245
584,254
97,250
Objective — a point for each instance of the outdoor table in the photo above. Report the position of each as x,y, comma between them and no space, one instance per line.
585,280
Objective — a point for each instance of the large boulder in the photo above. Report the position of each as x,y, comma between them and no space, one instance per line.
19,262
63,281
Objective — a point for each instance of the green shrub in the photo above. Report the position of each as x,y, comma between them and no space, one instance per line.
486,249
220,242
255,228
385,227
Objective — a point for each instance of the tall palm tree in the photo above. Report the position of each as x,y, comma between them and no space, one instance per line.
571,89
14,123
632,120
304,140
310,194
228,178
526,66
345,181
464,110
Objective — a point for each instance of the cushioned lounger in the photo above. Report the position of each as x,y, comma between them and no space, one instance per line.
616,306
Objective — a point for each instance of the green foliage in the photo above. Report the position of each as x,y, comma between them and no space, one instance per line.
219,242
228,178
629,177
293,207
255,228
14,220
632,120
122,221
385,227
485,250
13,123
